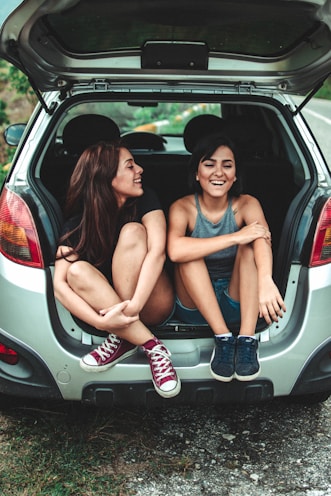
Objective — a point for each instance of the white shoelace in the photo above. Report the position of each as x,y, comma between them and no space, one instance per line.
108,347
160,359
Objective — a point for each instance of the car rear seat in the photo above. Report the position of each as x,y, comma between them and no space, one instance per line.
263,175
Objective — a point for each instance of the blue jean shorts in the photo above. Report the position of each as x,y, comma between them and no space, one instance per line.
230,308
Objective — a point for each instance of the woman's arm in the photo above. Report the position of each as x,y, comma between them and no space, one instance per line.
182,248
271,304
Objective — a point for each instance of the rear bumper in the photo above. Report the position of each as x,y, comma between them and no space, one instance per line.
193,392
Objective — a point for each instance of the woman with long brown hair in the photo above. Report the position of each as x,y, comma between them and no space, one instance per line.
109,269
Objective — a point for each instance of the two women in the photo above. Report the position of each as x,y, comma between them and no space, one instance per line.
109,267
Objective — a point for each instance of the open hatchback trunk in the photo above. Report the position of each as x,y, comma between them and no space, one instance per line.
151,68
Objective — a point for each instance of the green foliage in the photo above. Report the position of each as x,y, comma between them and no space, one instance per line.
3,114
18,80
325,91
144,115
173,116
3,174
9,152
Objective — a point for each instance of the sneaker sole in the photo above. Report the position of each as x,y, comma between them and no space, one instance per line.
247,378
221,378
169,394
102,368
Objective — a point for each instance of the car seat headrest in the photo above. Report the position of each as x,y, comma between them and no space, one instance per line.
143,140
86,130
200,127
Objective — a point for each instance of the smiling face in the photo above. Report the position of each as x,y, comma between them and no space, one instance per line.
127,183
217,173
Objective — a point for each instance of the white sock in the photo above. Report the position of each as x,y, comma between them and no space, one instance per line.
225,335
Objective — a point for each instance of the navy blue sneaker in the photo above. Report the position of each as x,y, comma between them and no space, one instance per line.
247,365
222,359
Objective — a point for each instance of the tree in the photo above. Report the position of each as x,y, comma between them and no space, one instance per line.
20,83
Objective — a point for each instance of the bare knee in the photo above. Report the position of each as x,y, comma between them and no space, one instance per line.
133,236
79,274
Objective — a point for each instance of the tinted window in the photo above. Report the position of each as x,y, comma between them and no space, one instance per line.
262,29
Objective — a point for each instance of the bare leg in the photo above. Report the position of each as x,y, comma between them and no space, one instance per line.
91,285
128,258
243,288
195,290
94,288
86,281
160,303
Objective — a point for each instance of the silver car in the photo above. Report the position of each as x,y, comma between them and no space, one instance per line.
150,68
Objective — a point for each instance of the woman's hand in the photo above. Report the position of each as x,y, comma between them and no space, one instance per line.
132,309
251,232
114,317
271,304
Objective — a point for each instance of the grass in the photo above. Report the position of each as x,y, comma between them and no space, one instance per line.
68,449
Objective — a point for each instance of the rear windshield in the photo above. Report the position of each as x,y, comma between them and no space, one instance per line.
166,118
261,29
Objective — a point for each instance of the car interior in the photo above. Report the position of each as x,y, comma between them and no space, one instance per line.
265,167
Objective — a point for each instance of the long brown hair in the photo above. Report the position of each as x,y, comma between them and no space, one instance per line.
91,196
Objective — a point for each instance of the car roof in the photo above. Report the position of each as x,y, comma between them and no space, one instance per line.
279,44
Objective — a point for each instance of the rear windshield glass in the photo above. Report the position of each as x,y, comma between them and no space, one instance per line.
231,27
166,118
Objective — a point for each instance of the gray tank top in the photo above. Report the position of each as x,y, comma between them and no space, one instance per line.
219,264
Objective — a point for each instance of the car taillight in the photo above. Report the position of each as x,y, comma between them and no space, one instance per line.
321,252
18,234
8,355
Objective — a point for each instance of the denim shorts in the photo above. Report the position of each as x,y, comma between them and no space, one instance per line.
230,308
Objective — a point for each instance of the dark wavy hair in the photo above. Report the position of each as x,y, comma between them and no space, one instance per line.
91,197
203,151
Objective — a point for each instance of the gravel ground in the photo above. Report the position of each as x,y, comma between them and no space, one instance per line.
267,449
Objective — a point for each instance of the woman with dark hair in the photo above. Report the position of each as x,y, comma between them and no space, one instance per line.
221,244
109,269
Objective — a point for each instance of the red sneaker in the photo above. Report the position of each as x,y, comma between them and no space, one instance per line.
165,379
111,351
